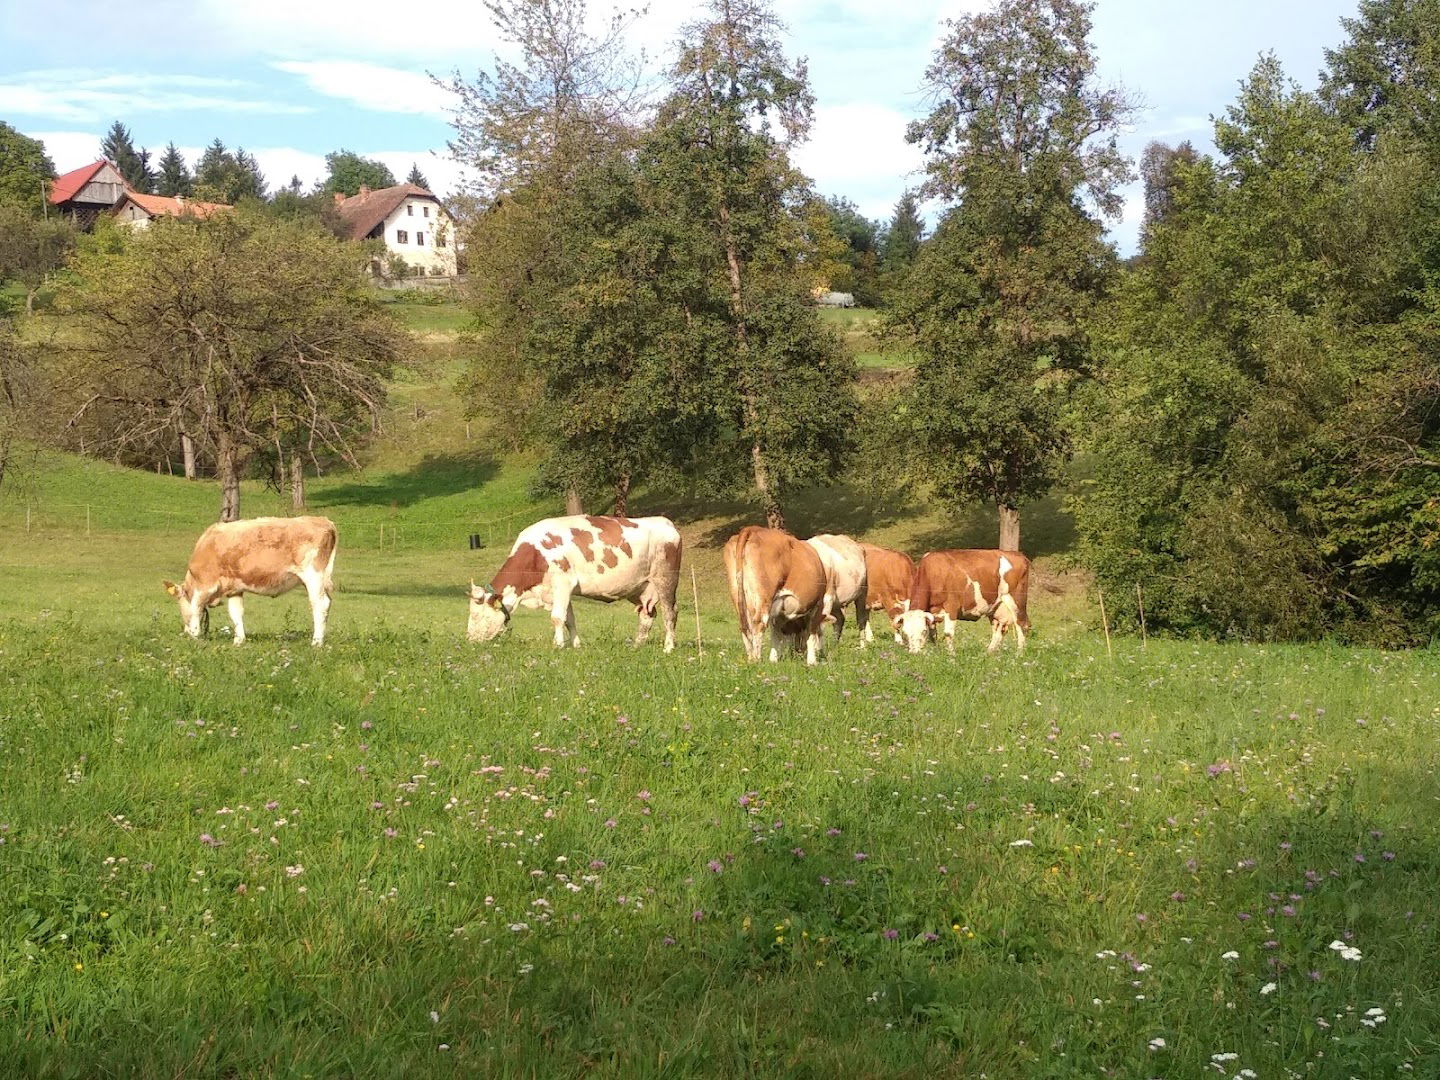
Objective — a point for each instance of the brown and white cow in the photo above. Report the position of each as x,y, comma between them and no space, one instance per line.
604,558
267,556
777,583
966,584
888,575
844,562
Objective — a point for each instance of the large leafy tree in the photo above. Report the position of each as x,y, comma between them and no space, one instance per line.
172,176
25,170
720,151
1386,75
134,165
1020,140
32,248
347,172
858,266
241,331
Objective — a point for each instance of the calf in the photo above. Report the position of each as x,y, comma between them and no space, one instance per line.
966,584
777,582
267,556
604,558
844,562
888,575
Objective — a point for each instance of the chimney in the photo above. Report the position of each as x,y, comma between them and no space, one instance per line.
364,190
339,197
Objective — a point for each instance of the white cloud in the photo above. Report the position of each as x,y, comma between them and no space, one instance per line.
372,86
78,97
860,151
69,149
371,28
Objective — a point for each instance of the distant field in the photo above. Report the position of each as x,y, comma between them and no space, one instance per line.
859,327
405,855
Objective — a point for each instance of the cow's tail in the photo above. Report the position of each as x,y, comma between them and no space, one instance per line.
734,556
1021,593
325,556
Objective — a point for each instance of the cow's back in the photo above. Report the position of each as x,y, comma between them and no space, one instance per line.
844,563
262,554
967,581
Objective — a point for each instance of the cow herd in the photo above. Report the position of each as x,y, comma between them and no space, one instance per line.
781,586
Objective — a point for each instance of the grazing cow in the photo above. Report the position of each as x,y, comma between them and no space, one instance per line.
845,570
604,558
777,582
888,575
268,556
970,585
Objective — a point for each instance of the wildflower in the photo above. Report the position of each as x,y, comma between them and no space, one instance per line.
697,915
798,852
1231,955
271,805
744,801
1177,896
860,856
1347,952
1388,856
832,831
597,864
208,840
518,927
434,1017
294,871
1228,1055
1022,843
610,823
891,935
715,866
1157,1043
1268,988
1140,917
643,795
392,833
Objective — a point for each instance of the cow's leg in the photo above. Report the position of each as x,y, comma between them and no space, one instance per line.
997,633
839,615
669,616
947,627
236,606
319,605
562,618
862,620
646,611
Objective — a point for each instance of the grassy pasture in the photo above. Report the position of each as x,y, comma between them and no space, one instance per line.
404,855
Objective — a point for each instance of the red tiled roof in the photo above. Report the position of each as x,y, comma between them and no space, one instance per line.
67,186
155,205
365,211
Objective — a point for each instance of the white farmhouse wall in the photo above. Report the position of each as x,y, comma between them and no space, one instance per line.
422,234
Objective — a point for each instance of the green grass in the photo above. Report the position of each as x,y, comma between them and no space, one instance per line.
406,855
859,329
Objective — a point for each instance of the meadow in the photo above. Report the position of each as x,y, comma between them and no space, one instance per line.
406,855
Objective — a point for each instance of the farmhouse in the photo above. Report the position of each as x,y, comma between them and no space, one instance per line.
412,222
136,211
87,192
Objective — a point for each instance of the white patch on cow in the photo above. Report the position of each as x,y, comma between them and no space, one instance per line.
914,628
487,620
1005,567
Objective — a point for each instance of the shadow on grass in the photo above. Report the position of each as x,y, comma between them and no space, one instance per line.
448,590
433,476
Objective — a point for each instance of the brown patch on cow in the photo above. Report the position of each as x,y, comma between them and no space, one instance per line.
550,541
763,563
563,565
889,575
583,541
610,559
610,529
524,569
627,549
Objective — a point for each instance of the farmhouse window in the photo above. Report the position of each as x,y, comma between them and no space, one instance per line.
401,236
419,239
410,209
425,210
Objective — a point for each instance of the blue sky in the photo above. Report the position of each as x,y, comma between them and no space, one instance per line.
290,80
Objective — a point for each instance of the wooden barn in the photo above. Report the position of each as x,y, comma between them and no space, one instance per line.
87,192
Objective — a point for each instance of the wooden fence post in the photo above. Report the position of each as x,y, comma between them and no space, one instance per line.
1105,622
1140,602
695,591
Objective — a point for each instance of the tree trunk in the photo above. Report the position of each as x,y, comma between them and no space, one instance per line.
30,301
1009,528
572,502
187,448
622,495
297,483
227,463
774,514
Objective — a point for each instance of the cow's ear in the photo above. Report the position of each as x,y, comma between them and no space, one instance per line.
172,588
929,618
895,621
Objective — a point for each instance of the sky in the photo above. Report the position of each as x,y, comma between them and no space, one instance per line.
291,80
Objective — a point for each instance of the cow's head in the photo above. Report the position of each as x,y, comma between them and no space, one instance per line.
194,614
915,628
489,614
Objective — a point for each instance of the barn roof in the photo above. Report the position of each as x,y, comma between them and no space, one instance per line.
361,213
68,186
156,205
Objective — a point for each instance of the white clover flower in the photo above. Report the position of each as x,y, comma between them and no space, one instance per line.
1347,952
1022,843
1228,1055
1269,988
1231,955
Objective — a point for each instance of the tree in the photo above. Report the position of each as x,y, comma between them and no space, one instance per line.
172,176
348,172
720,153
527,131
31,248
857,270
902,236
19,393
1160,168
238,330
134,165
1019,139
25,170
416,177
1386,77
228,177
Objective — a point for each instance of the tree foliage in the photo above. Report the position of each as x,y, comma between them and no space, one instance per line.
226,176
134,165
857,270
1021,141
239,331
1264,436
32,248
347,172
172,176
416,177
25,170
